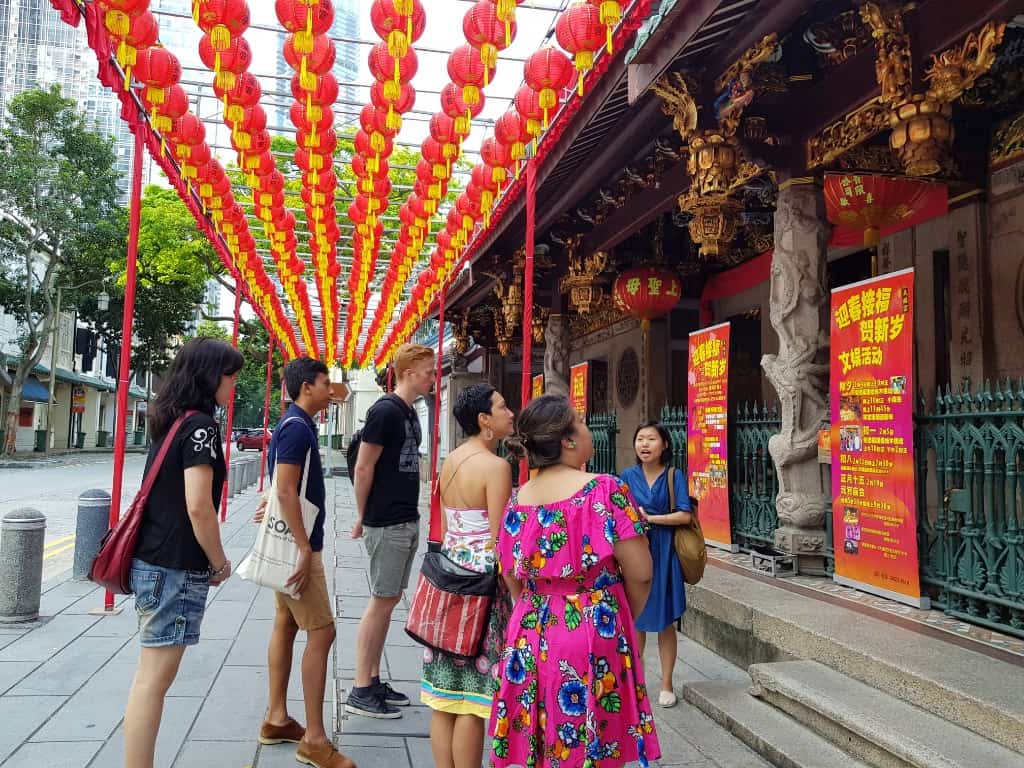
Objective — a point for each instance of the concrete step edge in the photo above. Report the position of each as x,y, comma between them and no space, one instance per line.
875,727
747,621
778,738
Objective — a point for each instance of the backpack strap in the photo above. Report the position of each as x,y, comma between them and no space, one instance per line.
670,478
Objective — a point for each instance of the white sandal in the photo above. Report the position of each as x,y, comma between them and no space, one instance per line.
667,699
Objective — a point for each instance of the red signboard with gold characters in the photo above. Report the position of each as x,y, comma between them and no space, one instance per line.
873,502
707,431
578,387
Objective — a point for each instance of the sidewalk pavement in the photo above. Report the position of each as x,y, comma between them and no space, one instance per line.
64,680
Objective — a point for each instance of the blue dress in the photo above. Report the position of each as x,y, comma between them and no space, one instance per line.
668,592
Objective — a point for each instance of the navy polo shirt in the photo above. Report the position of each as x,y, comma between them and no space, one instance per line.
289,445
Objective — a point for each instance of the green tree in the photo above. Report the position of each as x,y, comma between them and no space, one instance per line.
58,184
253,340
211,329
175,259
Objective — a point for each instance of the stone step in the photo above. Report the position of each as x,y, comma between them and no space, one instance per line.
778,738
750,620
874,727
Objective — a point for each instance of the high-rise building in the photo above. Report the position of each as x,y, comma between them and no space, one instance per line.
38,50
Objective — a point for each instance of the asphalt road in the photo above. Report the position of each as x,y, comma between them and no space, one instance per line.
52,486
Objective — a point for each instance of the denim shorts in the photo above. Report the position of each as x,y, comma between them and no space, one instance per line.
170,604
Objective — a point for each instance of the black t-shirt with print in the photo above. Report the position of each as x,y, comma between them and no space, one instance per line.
166,537
395,494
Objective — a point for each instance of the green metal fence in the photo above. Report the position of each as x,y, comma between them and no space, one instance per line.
753,483
603,428
970,483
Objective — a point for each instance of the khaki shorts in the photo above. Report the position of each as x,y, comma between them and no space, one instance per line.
312,610
392,550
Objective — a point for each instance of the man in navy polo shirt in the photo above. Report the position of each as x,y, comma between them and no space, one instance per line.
295,441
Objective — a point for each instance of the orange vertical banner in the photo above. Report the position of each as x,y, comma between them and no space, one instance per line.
538,385
707,431
871,390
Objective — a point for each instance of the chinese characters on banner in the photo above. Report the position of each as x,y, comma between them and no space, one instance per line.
538,385
78,400
873,503
707,431
578,387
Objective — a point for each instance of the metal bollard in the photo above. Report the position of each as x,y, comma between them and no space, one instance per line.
254,469
91,526
233,479
247,473
21,564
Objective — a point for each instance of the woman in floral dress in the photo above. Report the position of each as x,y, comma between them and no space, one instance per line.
475,486
573,553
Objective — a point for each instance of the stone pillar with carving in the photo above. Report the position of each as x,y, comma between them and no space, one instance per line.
799,372
556,355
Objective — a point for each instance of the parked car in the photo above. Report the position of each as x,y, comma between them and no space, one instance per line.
251,439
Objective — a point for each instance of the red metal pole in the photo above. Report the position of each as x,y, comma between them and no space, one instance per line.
531,205
231,407
387,385
434,529
266,412
124,363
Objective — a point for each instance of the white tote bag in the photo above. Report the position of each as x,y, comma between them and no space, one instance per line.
275,555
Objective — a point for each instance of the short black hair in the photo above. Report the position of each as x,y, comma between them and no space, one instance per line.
666,455
471,402
302,370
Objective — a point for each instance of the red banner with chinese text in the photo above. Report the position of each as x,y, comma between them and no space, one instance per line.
578,387
864,208
707,431
873,502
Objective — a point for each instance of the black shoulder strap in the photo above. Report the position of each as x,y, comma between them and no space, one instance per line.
670,478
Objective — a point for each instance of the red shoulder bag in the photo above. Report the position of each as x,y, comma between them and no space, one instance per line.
112,566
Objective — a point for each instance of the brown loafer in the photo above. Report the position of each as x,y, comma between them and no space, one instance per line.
322,756
291,732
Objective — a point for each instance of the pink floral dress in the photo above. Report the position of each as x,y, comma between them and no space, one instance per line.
571,692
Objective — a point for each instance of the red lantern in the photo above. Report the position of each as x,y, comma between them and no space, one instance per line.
374,120
166,105
399,24
442,129
453,105
647,292
507,14
486,32
318,59
324,141
527,103
142,32
321,90
433,152
245,93
578,30
313,18
272,183
865,208
235,57
187,129
232,15
468,71
402,102
498,156
548,71
310,116
392,70
251,120
360,169
157,67
510,129
610,15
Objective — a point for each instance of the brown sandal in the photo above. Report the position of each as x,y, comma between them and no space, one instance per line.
291,732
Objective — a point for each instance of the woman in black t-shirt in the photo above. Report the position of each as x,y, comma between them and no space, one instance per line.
179,553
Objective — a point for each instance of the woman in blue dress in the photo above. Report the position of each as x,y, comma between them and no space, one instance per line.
648,481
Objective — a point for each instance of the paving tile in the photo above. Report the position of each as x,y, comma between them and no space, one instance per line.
179,715
47,639
20,716
379,757
11,672
94,711
229,754
69,669
54,754
264,606
404,663
224,622
419,751
250,646
123,624
234,709
199,668
237,589
415,721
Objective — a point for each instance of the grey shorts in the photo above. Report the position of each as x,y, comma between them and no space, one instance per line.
392,550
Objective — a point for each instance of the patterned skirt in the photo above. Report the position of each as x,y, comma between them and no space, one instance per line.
466,686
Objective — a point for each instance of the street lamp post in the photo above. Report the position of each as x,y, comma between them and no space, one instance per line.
102,302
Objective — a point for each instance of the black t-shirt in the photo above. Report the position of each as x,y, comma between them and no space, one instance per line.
395,493
166,537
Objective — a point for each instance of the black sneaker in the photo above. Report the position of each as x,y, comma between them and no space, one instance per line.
391,696
371,704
